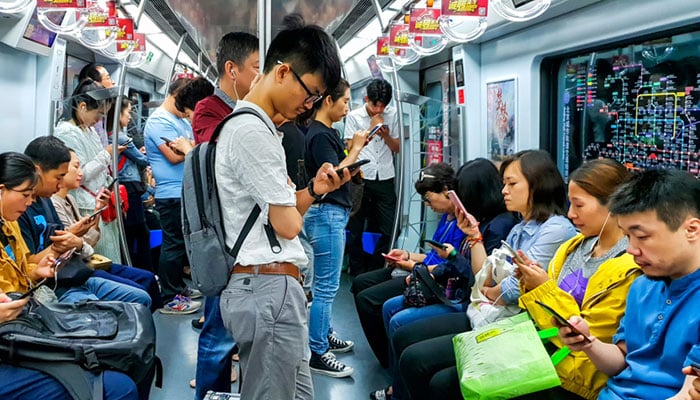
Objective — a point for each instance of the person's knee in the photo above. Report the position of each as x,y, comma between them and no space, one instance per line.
118,386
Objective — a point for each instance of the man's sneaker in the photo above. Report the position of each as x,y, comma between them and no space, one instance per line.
337,345
181,305
326,364
192,293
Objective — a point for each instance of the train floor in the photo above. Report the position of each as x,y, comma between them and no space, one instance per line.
177,348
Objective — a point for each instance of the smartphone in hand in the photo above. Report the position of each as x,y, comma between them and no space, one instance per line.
373,132
127,142
436,244
562,321
63,258
352,167
166,140
514,254
96,213
458,204
111,183
391,258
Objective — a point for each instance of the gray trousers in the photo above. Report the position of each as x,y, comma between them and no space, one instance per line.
308,269
267,316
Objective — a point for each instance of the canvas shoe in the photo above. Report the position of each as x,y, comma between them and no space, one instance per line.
192,293
326,364
181,305
337,345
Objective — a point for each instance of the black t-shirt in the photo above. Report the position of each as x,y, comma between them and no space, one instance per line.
323,144
294,146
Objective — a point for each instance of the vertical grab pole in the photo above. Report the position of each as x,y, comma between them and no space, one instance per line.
123,246
401,170
264,28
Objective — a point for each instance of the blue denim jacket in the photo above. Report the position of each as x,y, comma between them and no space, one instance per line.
135,160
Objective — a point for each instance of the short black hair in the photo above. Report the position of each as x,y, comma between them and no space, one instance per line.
48,152
17,168
177,85
547,189
235,47
79,96
379,90
435,178
192,93
308,49
90,71
479,189
673,194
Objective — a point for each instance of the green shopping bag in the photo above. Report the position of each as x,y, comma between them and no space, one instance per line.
505,359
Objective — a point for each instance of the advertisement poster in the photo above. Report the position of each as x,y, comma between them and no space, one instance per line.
500,118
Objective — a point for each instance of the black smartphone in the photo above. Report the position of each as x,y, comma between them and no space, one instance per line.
32,290
96,213
63,258
111,183
562,320
166,140
127,142
514,254
352,167
436,244
373,132
696,368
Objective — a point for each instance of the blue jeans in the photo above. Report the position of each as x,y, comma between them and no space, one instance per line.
103,289
396,316
136,277
214,352
22,383
325,226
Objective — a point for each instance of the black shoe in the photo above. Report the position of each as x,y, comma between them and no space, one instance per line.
196,324
326,364
337,345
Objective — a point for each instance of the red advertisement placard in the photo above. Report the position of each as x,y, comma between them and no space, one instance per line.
465,8
383,46
139,42
398,35
60,4
126,29
425,21
101,13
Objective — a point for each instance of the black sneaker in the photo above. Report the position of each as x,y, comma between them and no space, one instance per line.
326,364
337,345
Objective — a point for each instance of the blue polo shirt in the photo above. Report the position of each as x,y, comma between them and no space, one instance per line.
168,176
661,328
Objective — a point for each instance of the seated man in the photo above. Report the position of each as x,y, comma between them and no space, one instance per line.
659,211
44,233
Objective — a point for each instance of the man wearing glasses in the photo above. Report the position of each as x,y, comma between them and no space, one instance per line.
379,197
264,305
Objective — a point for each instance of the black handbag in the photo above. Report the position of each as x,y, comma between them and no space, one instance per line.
422,290
73,272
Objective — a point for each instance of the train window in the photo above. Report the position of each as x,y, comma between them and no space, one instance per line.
638,104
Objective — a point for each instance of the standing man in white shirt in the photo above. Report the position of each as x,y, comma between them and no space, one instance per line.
379,196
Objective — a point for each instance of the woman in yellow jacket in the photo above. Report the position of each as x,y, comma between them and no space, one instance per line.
589,275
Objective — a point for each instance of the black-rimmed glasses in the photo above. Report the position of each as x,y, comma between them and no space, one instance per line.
311,98
422,175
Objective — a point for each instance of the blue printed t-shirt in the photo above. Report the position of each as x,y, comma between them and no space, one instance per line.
168,176
661,328
446,232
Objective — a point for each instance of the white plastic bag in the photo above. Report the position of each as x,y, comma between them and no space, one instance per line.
482,310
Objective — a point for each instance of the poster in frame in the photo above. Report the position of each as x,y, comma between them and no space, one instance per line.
501,110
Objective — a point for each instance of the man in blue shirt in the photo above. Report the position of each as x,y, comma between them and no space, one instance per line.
659,211
167,122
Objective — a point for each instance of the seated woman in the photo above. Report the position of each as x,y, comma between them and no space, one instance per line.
69,214
533,188
373,288
588,276
17,179
87,107
479,187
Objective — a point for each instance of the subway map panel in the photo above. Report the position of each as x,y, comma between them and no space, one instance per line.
645,116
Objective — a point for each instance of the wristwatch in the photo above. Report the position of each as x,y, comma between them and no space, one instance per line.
310,187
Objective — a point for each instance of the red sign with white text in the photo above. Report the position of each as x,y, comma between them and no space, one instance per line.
425,20
398,35
465,8
60,4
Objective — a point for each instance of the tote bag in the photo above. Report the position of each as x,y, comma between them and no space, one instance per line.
505,359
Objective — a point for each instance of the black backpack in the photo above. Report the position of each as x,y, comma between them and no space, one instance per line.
211,261
95,335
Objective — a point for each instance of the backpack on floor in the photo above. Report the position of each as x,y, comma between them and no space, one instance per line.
96,335
211,261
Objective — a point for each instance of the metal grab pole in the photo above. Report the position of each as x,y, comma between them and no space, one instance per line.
399,194
115,167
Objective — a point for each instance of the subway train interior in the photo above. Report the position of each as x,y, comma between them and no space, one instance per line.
469,79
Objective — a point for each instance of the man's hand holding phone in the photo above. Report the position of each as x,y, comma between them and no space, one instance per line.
373,132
